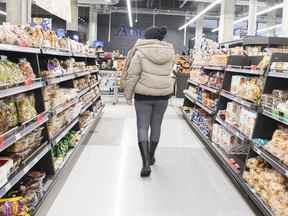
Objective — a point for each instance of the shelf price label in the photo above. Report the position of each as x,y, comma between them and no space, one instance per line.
28,82
253,68
40,118
2,142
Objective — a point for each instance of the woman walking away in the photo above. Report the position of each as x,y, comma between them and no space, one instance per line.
148,77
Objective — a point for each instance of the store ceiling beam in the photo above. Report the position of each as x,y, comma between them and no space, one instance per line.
238,2
158,12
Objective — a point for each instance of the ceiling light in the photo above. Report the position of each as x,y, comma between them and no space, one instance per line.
3,13
276,7
269,28
212,5
129,13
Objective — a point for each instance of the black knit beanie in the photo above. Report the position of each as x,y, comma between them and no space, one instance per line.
158,33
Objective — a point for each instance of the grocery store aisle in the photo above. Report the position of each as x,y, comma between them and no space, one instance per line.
186,180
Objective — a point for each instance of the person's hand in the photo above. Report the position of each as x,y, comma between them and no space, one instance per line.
129,102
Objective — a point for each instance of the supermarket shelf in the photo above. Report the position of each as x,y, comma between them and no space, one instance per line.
272,160
211,89
215,68
84,91
107,71
62,107
82,73
232,129
60,79
233,43
9,138
85,107
49,51
196,66
239,100
196,128
193,82
92,56
278,75
275,117
256,72
14,48
239,181
64,131
21,89
81,55
206,87
17,177
68,160
94,71
208,110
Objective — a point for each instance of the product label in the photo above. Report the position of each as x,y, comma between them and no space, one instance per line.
40,118
2,142
28,82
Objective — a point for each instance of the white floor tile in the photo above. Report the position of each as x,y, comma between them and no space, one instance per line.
185,181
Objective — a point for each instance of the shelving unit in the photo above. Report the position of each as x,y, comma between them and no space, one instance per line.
245,66
42,156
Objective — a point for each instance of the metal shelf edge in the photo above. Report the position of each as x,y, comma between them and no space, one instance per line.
283,169
89,104
15,48
64,132
21,132
232,130
25,170
270,115
239,100
278,75
245,71
21,89
206,109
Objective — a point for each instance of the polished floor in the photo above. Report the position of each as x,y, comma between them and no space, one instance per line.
105,180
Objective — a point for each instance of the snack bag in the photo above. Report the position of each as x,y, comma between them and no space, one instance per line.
13,207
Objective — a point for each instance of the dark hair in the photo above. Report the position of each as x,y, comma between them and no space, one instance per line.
158,33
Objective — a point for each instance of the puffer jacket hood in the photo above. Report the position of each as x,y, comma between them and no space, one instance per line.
158,52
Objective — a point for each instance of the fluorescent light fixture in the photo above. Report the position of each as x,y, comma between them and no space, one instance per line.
3,13
208,8
129,13
276,7
269,28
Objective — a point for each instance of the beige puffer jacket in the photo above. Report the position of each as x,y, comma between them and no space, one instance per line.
150,68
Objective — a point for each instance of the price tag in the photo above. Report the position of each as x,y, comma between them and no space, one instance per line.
28,82
253,68
40,118
2,141
18,136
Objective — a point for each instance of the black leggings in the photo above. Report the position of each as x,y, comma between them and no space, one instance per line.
150,115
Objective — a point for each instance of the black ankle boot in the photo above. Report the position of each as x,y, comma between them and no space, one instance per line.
153,146
144,149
